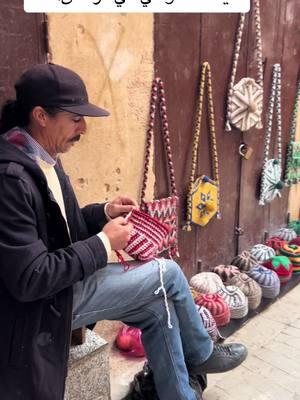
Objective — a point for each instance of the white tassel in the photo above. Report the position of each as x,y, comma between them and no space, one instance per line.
162,269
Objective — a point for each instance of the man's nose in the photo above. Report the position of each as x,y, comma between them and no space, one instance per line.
83,126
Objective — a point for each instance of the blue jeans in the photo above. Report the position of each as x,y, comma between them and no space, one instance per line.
132,297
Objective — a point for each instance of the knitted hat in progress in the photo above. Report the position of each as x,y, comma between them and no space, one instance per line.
236,300
244,261
226,272
293,253
249,287
282,266
209,323
285,234
217,306
295,225
275,243
267,279
262,253
206,282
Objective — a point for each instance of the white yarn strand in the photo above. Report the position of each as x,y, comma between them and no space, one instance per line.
162,268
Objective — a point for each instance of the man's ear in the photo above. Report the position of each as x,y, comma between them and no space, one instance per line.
40,116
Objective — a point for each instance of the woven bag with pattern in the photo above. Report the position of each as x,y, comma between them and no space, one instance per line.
275,243
244,261
292,168
249,287
165,209
236,300
293,253
217,306
209,323
203,201
282,266
146,237
226,272
267,279
271,182
245,98
206,282
262,253
285,234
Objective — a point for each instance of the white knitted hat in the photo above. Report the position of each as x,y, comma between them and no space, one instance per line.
206,282
236,300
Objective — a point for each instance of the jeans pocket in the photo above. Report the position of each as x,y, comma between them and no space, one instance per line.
17,349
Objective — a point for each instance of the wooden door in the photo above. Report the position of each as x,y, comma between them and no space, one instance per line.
182,43
22,43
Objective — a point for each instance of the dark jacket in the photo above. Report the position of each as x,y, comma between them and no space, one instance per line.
38,266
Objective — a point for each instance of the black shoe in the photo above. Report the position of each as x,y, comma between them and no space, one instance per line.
223,358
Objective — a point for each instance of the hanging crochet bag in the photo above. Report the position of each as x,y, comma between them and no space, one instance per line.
271,183
292,169
203,194
245,98
165,209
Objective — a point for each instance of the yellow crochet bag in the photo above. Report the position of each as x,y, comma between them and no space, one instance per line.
203,193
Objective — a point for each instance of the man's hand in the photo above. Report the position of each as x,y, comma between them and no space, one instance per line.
118,232
120,206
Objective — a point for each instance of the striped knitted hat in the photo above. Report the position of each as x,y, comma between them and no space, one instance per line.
217,306
209,323
249,287
295,225
267,279
295,241
282,266
285,234
226,272
236,300
293,253
262,253
206,282
244,261
275,243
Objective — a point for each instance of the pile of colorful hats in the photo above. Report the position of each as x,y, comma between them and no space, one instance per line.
229,291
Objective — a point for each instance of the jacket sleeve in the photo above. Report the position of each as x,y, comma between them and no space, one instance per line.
27,269
94,217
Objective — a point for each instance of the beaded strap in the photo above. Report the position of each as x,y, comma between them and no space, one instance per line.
275,97
236,55
287,179
205,78
158,93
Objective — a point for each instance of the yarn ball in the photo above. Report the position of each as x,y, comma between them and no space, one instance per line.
226,272
209,323
249,287
295,225
217,306
282,266
262,253
275,243
293,253
285,234
206,282
244,261
295,241
267,279
236,300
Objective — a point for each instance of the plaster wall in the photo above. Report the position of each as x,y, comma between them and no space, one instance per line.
113,53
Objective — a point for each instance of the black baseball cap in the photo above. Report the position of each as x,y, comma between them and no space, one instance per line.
52,85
